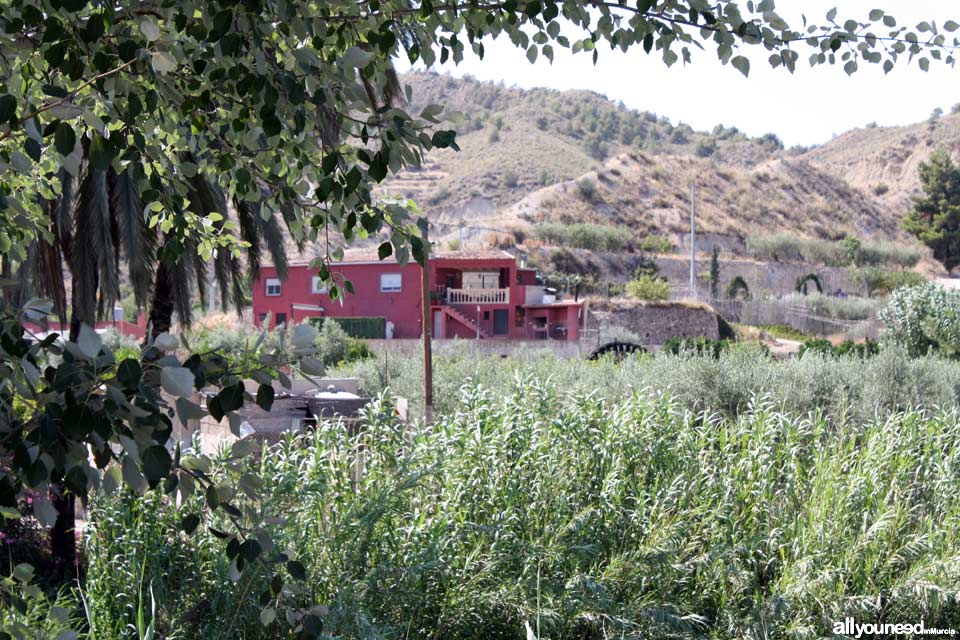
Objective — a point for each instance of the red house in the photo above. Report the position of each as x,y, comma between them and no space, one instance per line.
474,294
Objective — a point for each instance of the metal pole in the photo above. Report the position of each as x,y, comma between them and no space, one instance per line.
478,322
427,327
693,241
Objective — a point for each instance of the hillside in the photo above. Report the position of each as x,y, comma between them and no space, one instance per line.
514,141
562,156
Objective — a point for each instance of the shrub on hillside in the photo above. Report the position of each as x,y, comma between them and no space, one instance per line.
587,188
646,287
656,244
595,237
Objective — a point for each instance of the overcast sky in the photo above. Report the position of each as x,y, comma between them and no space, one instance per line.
808,107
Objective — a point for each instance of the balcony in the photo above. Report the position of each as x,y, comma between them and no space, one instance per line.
478,296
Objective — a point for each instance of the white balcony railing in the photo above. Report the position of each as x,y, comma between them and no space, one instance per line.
478,296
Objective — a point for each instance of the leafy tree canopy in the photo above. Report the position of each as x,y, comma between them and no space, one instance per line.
289,104
935,218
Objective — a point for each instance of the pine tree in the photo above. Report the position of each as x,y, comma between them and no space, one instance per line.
935,218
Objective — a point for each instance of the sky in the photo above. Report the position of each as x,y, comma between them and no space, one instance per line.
809,107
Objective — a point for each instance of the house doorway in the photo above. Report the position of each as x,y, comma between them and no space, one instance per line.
501,322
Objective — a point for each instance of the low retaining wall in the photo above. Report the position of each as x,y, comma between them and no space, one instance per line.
656,322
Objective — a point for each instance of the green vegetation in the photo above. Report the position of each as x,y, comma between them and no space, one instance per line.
369,328
782,331
849,308
542,507
876,280
647,287
924,319
714,274
935,218
846,252
594,237
653,243
802,283
865,349
698,346
242,345
737,287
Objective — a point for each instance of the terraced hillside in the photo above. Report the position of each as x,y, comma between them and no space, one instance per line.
542,155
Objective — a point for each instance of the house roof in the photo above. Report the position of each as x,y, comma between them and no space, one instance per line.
353,256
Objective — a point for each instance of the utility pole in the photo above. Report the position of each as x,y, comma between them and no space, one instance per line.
427,328
693,240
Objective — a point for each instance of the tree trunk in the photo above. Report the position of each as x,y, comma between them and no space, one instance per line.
161,309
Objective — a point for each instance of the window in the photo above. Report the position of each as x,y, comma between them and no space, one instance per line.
281,319
264,319
389,282
273,287
318,285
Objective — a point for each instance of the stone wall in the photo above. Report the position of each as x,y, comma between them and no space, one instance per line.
656,322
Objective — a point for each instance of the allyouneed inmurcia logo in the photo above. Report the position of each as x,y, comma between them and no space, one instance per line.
849,627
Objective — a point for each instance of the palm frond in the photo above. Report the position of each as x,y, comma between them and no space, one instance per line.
138,241
247,214
93,259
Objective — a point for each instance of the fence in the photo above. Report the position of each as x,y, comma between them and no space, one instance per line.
762,312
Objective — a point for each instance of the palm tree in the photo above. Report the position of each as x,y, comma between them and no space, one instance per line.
100,224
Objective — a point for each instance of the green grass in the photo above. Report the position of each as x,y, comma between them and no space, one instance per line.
778,331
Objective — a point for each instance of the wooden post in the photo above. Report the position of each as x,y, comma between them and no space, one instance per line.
427,329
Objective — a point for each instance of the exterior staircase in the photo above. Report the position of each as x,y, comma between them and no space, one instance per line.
464,320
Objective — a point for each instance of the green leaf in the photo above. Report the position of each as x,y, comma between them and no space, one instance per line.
8,107
850,67
741,64
64,138
89,342
356,57
101,153
265,396
950,26
385,250
212,498
190,523
876,14
297,570
162,62
250,550
150,29
129,373
231,398
177,381
268,616
532,53
156,463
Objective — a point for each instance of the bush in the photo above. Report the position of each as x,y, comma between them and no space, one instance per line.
923,319
880,189
648,288
865,349
736,286
587,188
656,244
696,346
595,237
